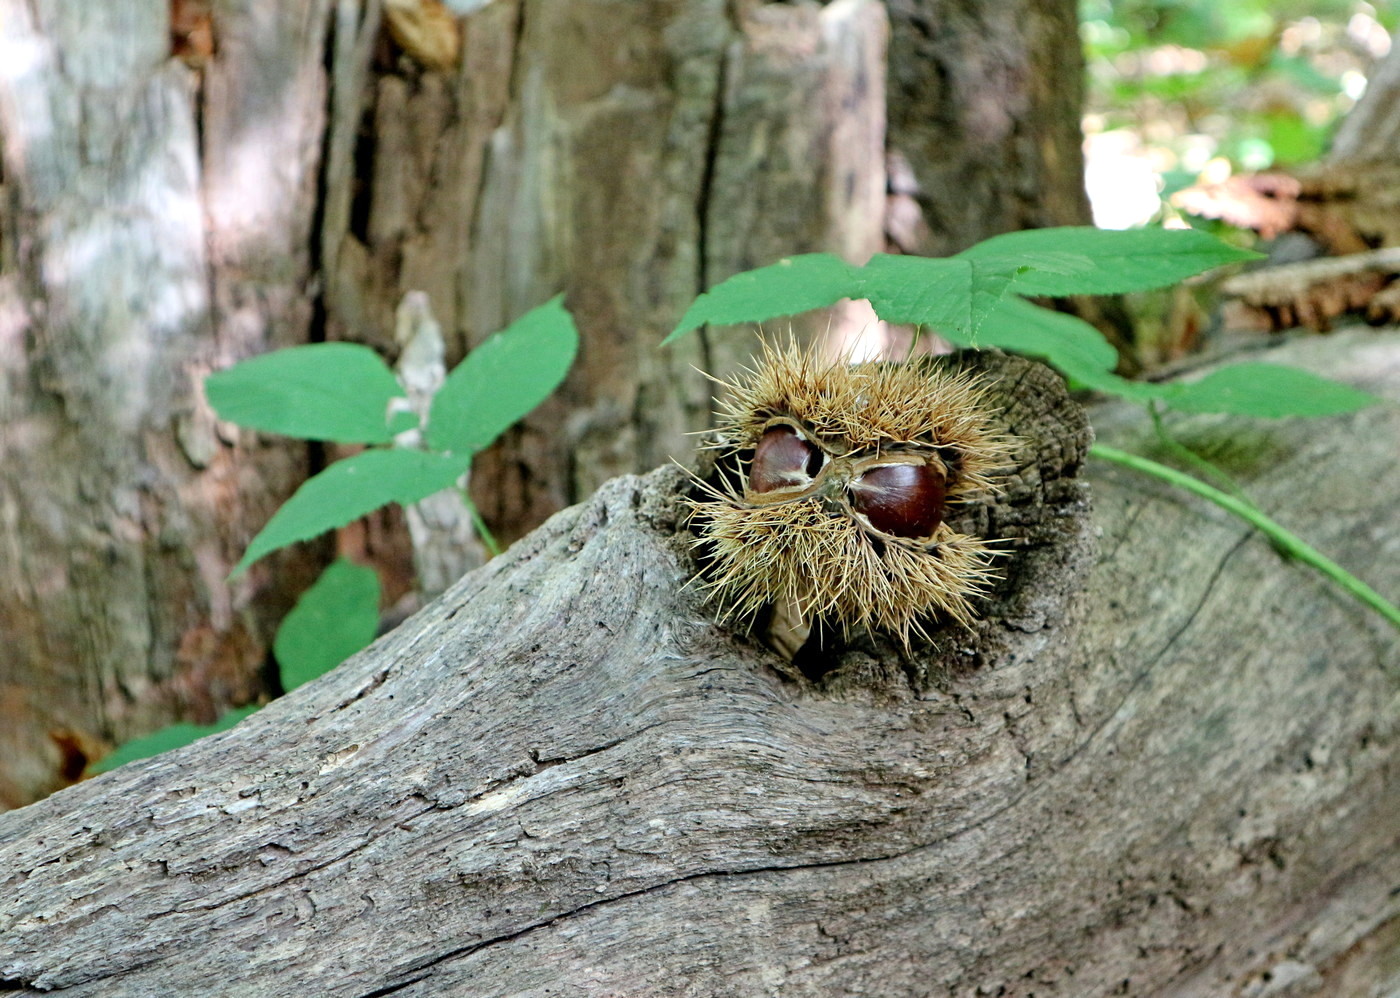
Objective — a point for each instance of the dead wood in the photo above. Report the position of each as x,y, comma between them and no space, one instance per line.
562,778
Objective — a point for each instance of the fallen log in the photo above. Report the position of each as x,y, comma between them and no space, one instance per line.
1166,768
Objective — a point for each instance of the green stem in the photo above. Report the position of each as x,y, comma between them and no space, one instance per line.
913,343
481,529
1187,456
1288,543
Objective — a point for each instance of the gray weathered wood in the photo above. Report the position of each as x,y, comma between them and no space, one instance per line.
561,778
1370,133
185,184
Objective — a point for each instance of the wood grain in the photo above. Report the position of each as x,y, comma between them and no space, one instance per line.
562,778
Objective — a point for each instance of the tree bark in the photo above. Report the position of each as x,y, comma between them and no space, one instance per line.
984,101
562,778
984,137
142,245
703,138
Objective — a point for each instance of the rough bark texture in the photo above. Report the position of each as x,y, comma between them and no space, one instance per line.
562,779
698,138
187,182
984,103
163,219
136,256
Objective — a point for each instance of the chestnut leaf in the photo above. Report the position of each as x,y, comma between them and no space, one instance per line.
171,737
947,294
323,391
332,620
1112,261
349,489
504,378
1270,391
792,285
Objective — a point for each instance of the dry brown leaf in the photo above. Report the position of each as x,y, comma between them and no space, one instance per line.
426,30
191,31
1265,202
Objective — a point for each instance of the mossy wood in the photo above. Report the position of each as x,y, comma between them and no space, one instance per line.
563,778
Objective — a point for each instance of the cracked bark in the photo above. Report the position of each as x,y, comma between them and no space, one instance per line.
562,778
700,140
155,228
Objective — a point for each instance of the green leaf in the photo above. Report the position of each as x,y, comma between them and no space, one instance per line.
332,620
503,379
168,738
402,421
1110,261
1080,352
325,391
349,489
1068,344
919,290
1267,390
792,285
950,295
1064,341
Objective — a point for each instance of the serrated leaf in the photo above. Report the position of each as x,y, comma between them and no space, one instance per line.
1267,390
332,620
325,391
172,737
949,295
349,489
919,290
1112,261
503,379
1069,344
792,285
1064,341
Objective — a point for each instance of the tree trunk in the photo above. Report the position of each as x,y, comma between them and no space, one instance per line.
562,778
148,235
701,138
985,100
984,136
1370,134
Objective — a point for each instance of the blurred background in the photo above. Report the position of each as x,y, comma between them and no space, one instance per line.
1191,92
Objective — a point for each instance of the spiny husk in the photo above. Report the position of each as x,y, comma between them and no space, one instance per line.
826,565
871,406
815,554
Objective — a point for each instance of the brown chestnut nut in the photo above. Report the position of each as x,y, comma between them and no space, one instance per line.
903,500
783,460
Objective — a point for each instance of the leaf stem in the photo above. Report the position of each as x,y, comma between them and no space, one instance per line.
1288,543
482,530
1187,456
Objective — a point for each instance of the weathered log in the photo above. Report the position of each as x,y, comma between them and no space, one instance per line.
562,778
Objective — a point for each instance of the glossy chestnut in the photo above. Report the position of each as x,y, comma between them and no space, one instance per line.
903,500
783,460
